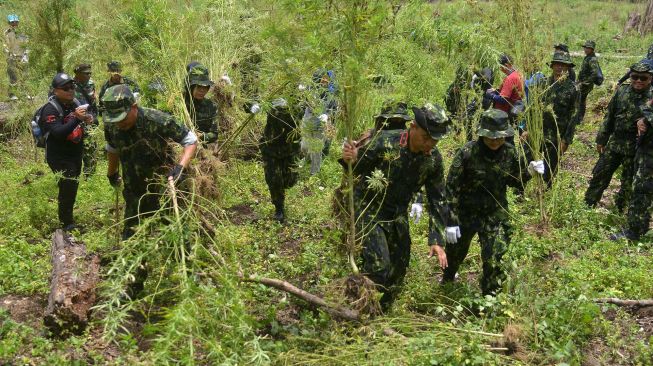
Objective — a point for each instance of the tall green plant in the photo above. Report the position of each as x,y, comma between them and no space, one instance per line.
57,26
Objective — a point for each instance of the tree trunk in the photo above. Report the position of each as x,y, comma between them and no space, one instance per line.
632,23
646,25
75,275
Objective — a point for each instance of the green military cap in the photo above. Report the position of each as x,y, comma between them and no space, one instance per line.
562,47
561,58
82,68
199,75
433,120
641,67
392,109
117,101
495,124
114,66
589,44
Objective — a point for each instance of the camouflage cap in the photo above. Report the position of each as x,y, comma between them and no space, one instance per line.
392,109
495,124
589,44
561,58
642,66
562,47
117,101
114,66
199,75
81,68
433,120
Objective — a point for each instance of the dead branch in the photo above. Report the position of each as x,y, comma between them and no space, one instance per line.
333,310
620,302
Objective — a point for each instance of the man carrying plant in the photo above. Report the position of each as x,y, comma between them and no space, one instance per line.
478,179
590,74
558,104
389,169
138,138
617,138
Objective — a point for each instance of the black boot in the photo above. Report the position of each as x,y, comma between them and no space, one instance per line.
279,213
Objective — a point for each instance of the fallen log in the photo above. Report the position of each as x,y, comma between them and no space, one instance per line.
333,310
75,275
620,302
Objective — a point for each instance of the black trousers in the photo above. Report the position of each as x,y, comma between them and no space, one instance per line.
69,168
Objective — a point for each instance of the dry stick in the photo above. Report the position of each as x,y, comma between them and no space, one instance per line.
620,302
173,194
116,213
334,310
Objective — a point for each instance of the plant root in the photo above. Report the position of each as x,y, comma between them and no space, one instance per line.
358,291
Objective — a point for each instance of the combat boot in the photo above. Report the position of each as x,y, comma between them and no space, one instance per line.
279,212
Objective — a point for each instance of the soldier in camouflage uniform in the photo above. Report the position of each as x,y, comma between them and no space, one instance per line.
202,110
14,46
138,138
617,138
639,210
401,162
590,74
280,146
476,187
114,68
85,94
563,48
558,102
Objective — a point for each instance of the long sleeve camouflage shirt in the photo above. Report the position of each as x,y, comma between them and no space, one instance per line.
204,114
619,130
589,74
387,158
560,102
477,184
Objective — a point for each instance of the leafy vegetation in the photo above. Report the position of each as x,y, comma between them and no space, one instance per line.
196,310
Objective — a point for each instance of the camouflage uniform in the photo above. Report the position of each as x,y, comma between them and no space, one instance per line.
144,150
639,210
559,102
382,211
476,192
280,147
203,112
116,67
590,74
16,58
85,94
618,134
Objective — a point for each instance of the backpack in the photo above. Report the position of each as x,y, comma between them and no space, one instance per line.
40,138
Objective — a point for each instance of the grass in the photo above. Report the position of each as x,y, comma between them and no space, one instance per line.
210,317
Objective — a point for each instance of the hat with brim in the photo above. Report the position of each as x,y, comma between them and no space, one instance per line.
117,101
642,66
202,80
495,124
561,46
83,68
394,110
561,58
589,44
432,119
114,67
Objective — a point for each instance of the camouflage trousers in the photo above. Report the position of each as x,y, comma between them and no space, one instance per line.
15,74
280,174
494,239
639,210
582,105
386,254
141,201
602,173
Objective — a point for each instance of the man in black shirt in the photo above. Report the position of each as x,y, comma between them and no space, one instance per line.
61,121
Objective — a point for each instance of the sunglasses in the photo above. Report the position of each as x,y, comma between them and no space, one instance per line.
640,77
68,87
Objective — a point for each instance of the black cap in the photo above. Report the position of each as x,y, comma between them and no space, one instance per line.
61,79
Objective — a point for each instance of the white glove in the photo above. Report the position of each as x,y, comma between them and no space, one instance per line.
301,87
226,79
255,108
323,118
416,212
536,167
452,234
137,97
